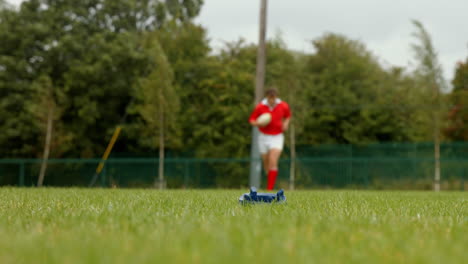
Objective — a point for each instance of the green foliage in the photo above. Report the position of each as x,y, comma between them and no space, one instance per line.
460,81
102,66
226,86
351,98
18,137
186,49
157,100
126,226
46,98
430,84
457,128
90,51
429,68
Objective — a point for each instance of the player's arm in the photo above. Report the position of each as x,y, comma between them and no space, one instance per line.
253,117
286,123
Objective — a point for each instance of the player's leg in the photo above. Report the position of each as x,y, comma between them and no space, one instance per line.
274,152
273,157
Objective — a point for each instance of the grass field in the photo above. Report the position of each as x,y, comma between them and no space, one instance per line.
147,226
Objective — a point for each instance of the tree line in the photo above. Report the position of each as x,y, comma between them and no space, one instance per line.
72,71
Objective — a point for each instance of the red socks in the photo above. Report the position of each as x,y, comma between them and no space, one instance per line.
272,174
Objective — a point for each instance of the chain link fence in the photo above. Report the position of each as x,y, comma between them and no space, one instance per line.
376,166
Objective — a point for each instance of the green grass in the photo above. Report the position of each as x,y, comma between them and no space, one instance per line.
147,226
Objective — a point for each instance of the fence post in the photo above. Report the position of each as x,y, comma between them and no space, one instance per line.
366,179
351,172
463,180
103,176
21,173
186,173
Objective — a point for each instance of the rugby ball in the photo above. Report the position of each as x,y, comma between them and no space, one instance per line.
264,119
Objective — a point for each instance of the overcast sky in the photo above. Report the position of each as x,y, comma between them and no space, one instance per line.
384,26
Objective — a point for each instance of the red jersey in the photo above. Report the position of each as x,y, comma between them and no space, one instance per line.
279,112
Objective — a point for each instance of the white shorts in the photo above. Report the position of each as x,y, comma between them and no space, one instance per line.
268,142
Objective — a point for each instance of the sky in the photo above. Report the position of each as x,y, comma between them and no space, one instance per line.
384,26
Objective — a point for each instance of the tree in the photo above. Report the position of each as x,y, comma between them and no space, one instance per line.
186,48
222,130
19,137
431,77
90,50
460,81
158,100
457,128
351,98
224,82
46,111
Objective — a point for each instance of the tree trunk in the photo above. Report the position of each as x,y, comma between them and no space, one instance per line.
161,183
50,117
436,154
436,121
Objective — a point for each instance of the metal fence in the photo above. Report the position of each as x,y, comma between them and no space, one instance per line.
378,166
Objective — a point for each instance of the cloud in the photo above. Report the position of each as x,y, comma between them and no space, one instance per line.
384,26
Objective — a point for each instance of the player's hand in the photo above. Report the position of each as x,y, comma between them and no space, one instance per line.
285,125
254,123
